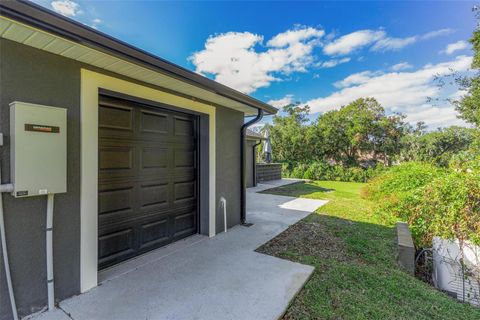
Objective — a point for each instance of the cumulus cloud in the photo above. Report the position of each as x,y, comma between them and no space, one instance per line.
333,62
456,46
398,91
280,103
233,58
67,8
377,39
401,66
353,41
295,36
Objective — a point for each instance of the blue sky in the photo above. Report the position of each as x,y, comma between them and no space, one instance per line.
324,54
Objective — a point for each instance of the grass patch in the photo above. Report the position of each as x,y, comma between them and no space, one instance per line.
352,249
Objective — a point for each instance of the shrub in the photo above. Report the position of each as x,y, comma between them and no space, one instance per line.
448,207
401,179
325,171
434,202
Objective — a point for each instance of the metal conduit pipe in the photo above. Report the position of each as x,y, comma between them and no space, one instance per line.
6,264
243,184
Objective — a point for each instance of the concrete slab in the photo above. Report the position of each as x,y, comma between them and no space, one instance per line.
209,278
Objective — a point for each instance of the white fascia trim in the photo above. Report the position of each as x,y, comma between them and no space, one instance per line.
91,82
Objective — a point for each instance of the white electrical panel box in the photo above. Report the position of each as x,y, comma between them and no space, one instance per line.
38,149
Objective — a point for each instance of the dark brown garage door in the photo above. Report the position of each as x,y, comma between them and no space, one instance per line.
147,195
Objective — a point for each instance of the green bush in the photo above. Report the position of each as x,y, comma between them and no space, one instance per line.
434,202
325,171
401,179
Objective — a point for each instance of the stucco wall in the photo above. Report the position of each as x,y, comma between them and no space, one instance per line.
229,123
250,163
31,75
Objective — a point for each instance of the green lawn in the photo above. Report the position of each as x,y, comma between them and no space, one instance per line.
356,275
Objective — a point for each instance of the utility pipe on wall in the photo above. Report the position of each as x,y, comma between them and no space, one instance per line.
49,234
243,185
6,264
223,201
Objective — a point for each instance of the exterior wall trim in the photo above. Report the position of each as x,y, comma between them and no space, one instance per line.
91,84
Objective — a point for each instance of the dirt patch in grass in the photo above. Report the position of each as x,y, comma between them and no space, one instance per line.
306,238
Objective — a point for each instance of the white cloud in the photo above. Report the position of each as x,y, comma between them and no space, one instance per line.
434,116
280,103
456,46
388,44
356,79
436,33
397,91
353,41
294,36
234,59
378,39
333,62
67,8
401,66
95,23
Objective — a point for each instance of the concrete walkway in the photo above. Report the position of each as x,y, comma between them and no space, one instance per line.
204,278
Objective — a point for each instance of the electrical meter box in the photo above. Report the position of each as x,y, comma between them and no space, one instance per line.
38,149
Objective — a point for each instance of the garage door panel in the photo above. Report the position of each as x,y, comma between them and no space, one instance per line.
147,179
185,224
116,161
154,123
111,201
155,233
114,245
116,121
185,191
153,157
154,196
184,158
184,126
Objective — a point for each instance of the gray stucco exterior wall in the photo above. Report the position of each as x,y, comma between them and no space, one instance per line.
250,155
31,75
229,123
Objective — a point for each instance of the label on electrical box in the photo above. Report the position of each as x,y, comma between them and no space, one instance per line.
42,191
22,193
41,128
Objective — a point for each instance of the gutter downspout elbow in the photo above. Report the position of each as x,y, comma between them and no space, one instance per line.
243,184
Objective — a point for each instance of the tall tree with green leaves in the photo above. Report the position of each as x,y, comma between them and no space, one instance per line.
360,131
291,136
469,105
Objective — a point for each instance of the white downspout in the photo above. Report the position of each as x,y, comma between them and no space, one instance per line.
49,233
223,202
6,188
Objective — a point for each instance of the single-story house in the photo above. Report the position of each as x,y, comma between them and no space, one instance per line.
150,149
254,139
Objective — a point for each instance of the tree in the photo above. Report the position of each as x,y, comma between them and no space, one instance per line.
291,135
437,147
469,105
360,131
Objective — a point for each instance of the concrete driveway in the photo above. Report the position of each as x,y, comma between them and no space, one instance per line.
204,278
